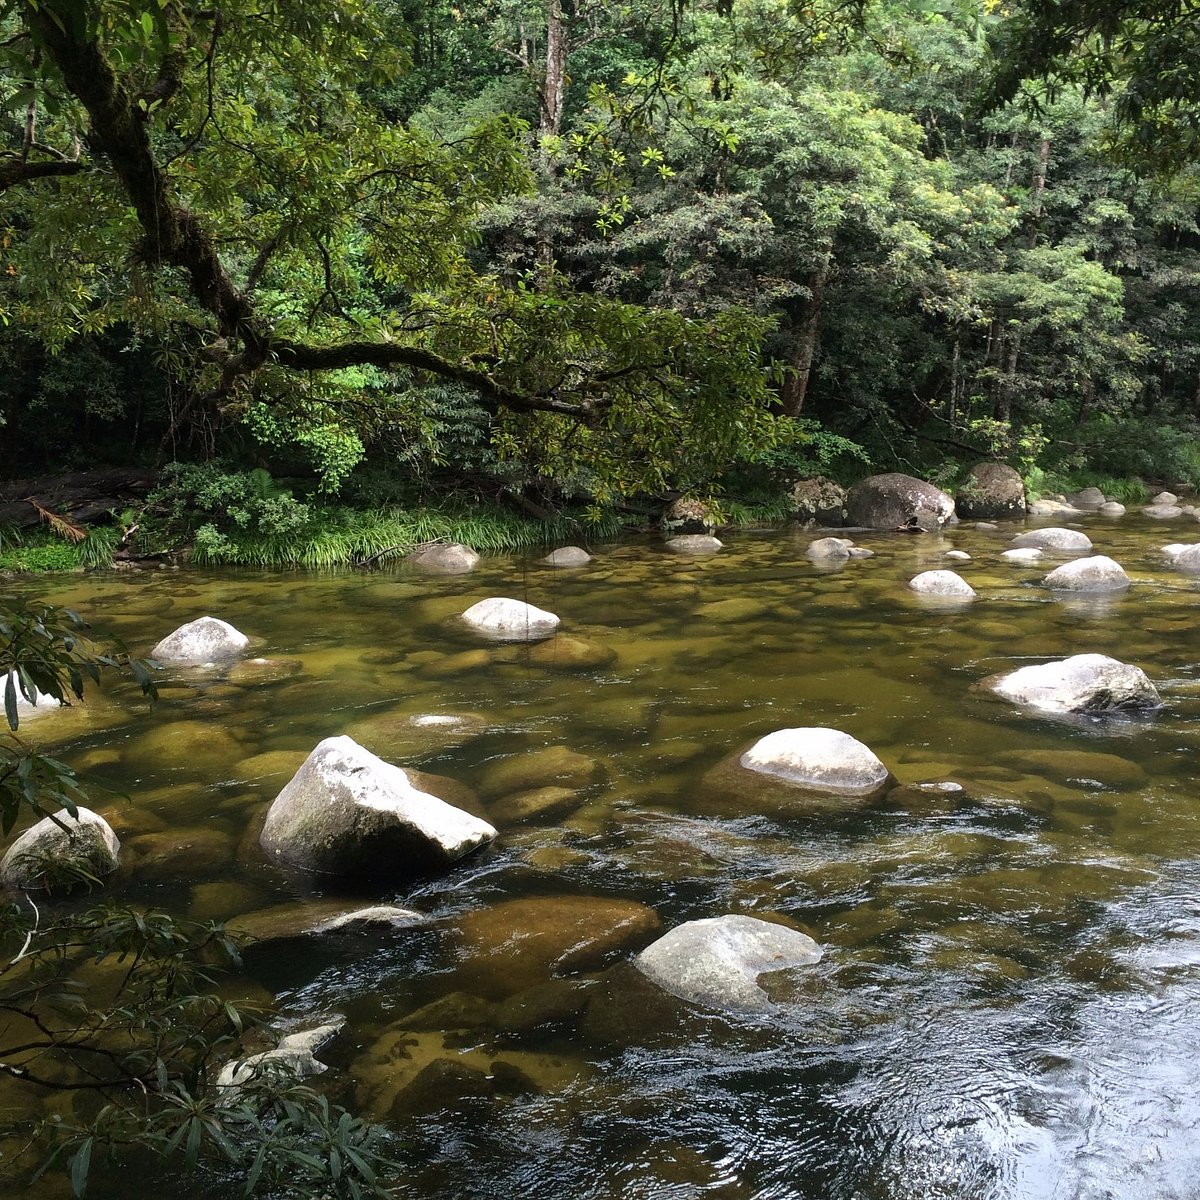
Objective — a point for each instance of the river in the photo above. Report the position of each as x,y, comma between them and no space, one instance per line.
1008,1007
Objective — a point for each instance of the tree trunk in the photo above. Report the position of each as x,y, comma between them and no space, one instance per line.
1002,410
554,86
1039,190
795,387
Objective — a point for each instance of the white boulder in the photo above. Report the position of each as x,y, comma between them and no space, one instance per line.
1028,554
37,706
820,759
61,842
1111,508
1162,512
1165,498
1083,683
942,583
204,640
293,1058
346,812
510,620
1053,538
717,962
1184,557
1099,573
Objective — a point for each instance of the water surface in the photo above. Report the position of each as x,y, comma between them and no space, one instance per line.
1009,1003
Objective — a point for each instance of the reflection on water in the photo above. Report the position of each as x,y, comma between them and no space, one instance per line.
1009,1004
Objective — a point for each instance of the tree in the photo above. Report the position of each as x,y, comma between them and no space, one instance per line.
222,181
1145,56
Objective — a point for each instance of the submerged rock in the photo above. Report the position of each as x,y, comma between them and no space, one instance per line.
1029,554
547,766
563,653
309,918
942,583
543,804
204,640
992,489
519,944
717,962
818,759
1083,683
449,559
251,672
61,848
1095,574
1053,538
568,556
892,500
1162,512
510,620
347,812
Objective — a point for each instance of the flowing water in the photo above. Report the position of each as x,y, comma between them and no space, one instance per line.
1009,1002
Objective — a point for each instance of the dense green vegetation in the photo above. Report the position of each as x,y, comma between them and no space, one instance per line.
568,256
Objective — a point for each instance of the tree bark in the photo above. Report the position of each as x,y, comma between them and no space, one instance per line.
794,390
554,86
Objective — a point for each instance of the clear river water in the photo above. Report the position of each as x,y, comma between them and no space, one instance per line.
1008,1007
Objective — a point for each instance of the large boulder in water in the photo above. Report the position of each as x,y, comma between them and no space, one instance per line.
688,515
510,620
1098,573
346,812
61,848
991,490
1083,683
439,559
894,500
818,759
717,962
1184,556
203,640
818,501
1054,538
